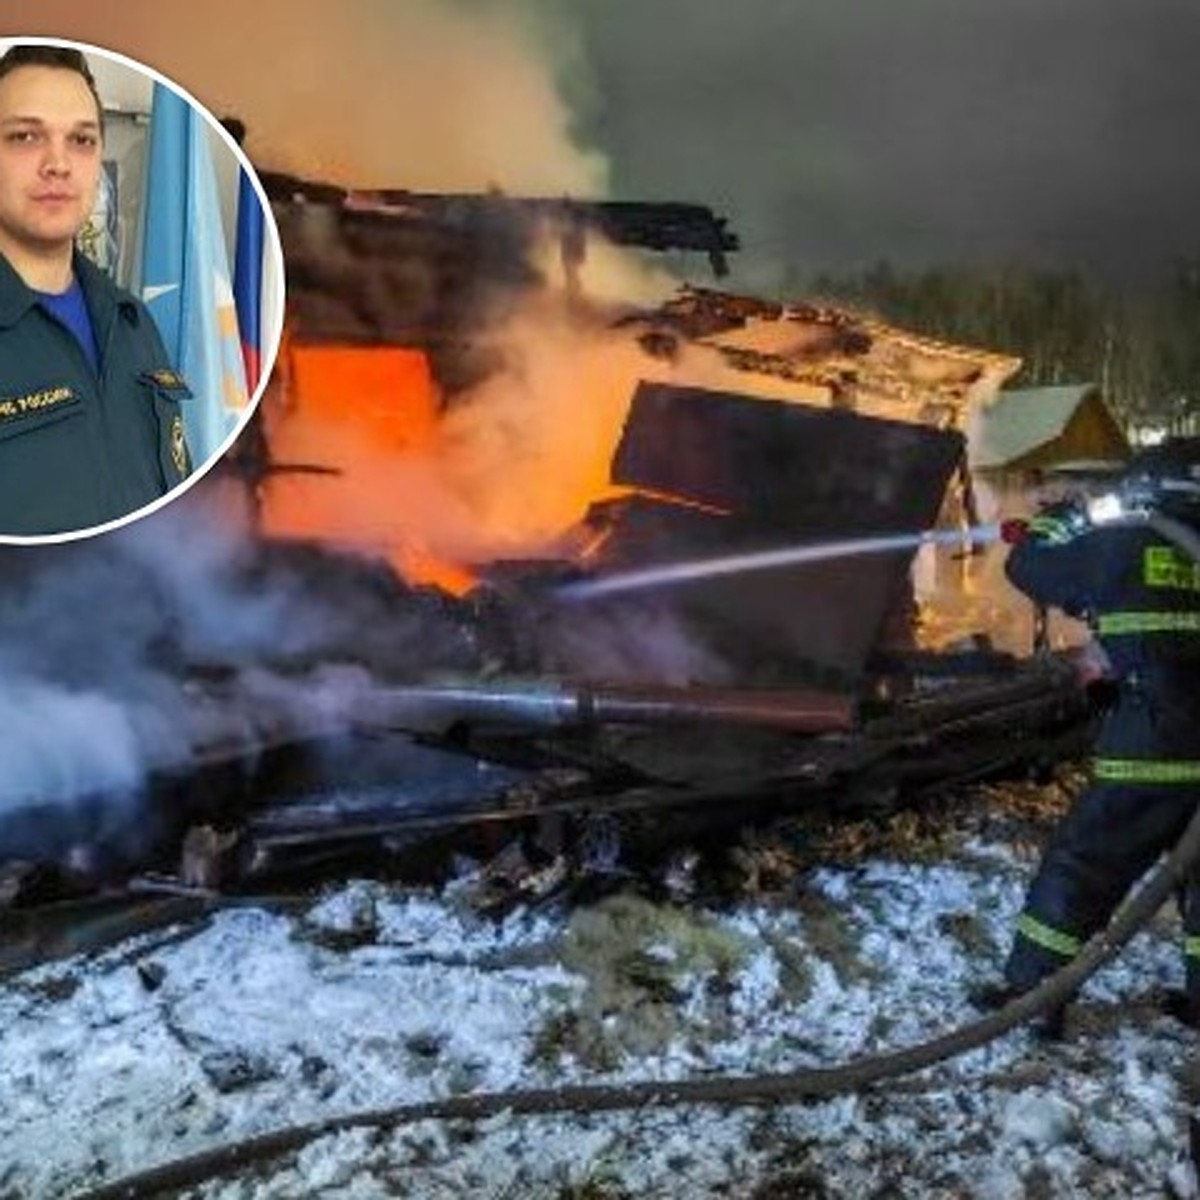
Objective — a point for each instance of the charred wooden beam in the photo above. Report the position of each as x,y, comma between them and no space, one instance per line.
1041,679
651,225
1034,716
648,756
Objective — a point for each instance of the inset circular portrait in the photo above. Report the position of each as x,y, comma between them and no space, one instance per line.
141,290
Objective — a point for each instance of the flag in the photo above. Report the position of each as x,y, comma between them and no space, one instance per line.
185,276
247,277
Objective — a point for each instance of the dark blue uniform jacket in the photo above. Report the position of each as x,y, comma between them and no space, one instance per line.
77,450
1141,596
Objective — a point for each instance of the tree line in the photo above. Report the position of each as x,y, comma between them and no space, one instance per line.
1142,347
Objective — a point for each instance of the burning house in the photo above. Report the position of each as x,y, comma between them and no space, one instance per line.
483,400
486,393
454,393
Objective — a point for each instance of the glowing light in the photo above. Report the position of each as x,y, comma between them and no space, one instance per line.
1104,510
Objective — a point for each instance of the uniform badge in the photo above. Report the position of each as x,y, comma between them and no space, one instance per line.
179,450
168,381
14,407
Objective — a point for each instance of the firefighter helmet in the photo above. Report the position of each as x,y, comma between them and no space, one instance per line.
1170,470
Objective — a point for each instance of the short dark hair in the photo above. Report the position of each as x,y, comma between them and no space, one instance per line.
65,58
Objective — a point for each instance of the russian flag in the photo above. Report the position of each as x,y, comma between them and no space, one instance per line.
248,277
185,276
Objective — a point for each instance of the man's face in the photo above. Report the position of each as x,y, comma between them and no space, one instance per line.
49,158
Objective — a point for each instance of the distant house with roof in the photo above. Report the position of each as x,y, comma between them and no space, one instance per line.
1020,440
1024,433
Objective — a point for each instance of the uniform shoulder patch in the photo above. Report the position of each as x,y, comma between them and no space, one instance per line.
172,381
12,408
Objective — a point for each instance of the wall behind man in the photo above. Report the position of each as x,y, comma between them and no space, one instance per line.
126,94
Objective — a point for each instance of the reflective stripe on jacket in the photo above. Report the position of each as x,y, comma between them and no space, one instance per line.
1142,598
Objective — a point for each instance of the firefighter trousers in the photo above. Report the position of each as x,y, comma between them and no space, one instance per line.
1112,836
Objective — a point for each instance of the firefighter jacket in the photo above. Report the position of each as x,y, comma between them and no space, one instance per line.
1141,597
77,449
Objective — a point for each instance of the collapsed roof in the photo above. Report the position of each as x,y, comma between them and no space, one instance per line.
391,267
380,274
836,357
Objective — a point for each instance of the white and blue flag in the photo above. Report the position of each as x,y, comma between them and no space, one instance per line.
185,275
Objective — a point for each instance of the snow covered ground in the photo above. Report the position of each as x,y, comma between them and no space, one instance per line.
375,996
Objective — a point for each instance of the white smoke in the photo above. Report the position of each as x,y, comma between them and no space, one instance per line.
100,643
60,743
96,639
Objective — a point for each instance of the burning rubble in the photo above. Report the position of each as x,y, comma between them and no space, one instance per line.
351,652
531,383
457,427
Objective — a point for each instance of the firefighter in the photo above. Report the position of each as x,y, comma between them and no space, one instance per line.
90,422
1141,597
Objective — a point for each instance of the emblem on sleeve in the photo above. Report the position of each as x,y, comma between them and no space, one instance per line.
179,450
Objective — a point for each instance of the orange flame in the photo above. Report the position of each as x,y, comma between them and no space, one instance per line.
341,425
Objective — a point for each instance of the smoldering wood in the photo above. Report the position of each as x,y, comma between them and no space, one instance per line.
640,773
574,746
699,770
408,268
250,738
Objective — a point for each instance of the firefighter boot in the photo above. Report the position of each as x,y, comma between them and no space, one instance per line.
1181,1006
1047,1026
990,997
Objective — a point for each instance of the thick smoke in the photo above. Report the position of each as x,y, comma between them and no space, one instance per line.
97,638
425,95
99,641
60,742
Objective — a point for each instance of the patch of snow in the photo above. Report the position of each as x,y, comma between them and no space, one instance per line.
258,1020
1037,1118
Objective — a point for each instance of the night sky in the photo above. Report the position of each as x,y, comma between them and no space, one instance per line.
832,133
838,132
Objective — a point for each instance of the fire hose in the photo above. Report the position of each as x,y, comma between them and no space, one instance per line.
803,1084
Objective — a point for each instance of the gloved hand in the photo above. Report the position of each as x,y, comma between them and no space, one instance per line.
1060,522
1013,530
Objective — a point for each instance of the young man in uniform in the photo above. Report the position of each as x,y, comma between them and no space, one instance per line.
90,422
